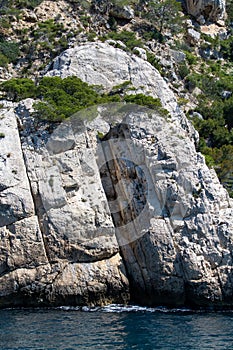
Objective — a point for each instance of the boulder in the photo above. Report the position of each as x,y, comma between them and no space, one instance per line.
193,37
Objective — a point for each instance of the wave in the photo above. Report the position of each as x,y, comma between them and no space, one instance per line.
118,308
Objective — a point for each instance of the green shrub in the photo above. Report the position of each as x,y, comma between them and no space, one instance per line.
227,49
49,29
148,101
30,4
192,59
128,38
63,97
18,89
224,167
3,60
166,15
9,49
183,70
5,23
228,112
153,60
60,98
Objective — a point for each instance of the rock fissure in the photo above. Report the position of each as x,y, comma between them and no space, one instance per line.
39,209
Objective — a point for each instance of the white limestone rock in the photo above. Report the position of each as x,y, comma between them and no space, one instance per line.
102,64
16,202
53,215
126,191
193,36
173,218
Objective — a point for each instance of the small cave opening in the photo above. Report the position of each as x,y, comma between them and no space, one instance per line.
207,11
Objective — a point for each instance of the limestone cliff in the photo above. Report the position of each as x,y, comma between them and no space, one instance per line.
57,237
112,205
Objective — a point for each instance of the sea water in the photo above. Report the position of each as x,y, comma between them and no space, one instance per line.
115,327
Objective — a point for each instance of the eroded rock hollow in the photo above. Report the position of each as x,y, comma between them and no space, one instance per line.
210,10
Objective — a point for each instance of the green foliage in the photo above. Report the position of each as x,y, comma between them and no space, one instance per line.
5,23
63,97
149,32
167,15
215,133
49,29
229,10
183,70
216,129
226,48
221,160
121,88
3,60
148,101
228,112
192,59
128,38
8,5
60,98
18,89
153,60
10,50
30,4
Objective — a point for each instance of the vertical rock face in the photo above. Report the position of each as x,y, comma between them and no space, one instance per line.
172,217
58,244
113,204
212,10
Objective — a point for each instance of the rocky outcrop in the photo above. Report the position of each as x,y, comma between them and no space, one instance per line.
57,237
122,12
114,204
173,221
103,64
210,10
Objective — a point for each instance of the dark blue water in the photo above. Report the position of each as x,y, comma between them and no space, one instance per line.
114,328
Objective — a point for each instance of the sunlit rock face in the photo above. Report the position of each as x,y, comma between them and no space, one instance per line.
113,205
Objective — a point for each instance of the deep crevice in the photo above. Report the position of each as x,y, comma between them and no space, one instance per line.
37,201
125,186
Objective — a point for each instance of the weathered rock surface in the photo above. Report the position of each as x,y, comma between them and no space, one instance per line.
114,199
176,230
54,217
16,201
103,64
212,10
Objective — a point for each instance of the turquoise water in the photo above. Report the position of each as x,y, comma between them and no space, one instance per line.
114,328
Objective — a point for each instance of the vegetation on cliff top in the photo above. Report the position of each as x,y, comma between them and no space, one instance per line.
59,98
